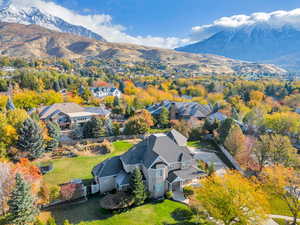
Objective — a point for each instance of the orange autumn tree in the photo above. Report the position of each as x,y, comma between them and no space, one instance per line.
283,183
232,199
146,115
30,173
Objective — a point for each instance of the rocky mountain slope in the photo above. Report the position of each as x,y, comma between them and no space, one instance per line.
258,43
32,15
35,41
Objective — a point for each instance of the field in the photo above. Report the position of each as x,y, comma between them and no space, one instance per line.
89,213
80,167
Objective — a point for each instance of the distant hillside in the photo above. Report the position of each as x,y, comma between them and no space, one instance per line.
258,43
31,15
35,41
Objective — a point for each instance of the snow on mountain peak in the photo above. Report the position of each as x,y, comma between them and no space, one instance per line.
12,12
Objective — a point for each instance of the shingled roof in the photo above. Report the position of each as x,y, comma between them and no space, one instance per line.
109,167
177,137
156,145
71,109
184,109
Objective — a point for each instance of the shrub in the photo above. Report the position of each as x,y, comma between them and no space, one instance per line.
188,191
106,146
180,214
169,194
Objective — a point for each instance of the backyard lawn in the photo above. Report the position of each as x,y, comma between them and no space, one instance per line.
66,169
279,207
201,144
89,213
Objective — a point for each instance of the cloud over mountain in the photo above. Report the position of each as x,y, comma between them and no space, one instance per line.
276,19
101,24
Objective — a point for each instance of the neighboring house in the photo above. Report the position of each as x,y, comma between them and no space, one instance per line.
182,110
191,112
164,159
70,115
101,92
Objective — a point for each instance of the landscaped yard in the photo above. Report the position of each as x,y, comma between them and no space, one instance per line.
279,207
66,169
201,144
89,213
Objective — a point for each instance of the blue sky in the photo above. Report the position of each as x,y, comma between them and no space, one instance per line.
166,23
166,18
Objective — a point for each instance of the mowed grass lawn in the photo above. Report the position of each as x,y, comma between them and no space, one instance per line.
90,213
65,169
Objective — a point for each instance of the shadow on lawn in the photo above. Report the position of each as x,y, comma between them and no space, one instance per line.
81,212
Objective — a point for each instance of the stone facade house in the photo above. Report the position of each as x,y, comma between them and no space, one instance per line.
164,159
70,115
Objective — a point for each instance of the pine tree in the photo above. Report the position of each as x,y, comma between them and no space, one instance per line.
66,222
94,128
129,111
56,86
22,207
31,139
51,221
10,105
164,117
54,134
224,129
138,187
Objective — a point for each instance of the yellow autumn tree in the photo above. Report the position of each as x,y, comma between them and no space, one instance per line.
283,122
233,199
283,183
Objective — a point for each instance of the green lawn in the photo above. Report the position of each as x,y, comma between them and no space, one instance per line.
66,169
89,213
201,144
279,207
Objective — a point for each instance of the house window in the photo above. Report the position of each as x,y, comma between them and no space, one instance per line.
159,187
159,172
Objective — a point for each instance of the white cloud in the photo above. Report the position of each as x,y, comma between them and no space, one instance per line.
101,24
275,19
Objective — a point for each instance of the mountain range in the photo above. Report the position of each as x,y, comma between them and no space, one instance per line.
258,42
33,15
35,41
54,37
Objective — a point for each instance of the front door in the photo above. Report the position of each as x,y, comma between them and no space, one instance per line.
176,186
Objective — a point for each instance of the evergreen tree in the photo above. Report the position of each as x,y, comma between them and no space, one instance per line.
54,134
31,139
129,111
121,86
116,102
138,187
10,105
224,129
22,207
66,222
94,128
164,117
51,221
56,86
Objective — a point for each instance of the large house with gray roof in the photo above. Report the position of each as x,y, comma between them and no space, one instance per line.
188,111
70,115
164,159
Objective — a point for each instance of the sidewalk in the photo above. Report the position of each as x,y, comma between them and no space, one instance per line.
289,218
